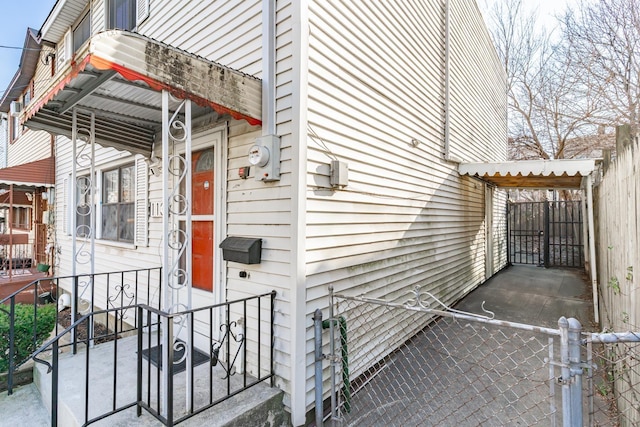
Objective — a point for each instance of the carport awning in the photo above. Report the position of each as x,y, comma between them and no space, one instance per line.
538,174
119,76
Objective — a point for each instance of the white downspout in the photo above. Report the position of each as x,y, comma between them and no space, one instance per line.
269,67
592,248
447,83
447,48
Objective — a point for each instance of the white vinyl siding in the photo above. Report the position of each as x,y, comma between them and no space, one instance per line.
376,82
406,218
257,209
62,192
3,141
478,100
29,147
225,32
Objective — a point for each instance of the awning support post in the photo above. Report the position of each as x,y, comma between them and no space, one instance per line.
592,248
176,210
84,206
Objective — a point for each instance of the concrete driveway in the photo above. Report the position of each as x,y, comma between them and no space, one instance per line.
535,295
461,373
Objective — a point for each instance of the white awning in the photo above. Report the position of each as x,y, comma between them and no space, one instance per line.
540,174
119,76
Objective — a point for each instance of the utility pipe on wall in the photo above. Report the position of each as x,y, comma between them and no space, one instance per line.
447,48
269,67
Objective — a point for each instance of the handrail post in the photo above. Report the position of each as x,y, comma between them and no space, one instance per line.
74,310
139,364
273,338
12,344
575,330
54,385
332,352
168,368
317,323
571,379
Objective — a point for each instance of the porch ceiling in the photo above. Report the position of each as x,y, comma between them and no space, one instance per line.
539,174
119,76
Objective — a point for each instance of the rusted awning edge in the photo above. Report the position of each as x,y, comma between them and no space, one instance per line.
135,58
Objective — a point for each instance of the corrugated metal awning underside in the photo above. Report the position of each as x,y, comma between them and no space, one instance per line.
534,174
119,76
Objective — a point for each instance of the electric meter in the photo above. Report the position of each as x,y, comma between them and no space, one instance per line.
259,156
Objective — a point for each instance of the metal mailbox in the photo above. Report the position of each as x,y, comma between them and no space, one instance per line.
245,250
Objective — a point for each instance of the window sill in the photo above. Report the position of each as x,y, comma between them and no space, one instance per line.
112,243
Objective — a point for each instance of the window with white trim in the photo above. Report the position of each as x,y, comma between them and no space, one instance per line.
21,218
122,213
82,32
118,204
14,128
28,94
126,14
83,208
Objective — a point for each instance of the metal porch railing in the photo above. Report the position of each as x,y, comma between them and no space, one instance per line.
113,290
16,255
216,359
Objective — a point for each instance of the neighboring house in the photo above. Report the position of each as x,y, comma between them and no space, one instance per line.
27,176
329,130
3,139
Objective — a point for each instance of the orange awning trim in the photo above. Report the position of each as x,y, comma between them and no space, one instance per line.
131,75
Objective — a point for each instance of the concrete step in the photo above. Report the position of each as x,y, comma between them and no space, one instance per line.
259,405
23,408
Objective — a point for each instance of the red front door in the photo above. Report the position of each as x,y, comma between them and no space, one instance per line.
202,197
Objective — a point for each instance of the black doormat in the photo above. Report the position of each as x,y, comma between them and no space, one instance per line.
154,355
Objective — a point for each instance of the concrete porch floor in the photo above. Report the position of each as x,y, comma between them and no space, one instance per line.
261,404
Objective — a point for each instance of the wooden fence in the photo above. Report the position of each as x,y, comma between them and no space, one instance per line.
617,221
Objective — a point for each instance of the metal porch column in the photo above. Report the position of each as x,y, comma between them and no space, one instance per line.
83,201
176,207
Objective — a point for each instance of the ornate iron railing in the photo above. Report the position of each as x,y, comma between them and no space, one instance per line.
211,360
88,292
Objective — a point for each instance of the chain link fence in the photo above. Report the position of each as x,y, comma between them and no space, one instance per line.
412,364
612,388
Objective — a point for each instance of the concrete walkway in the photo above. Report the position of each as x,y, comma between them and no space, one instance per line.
535,295
23,408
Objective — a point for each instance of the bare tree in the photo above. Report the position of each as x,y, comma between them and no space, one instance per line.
603,40
550,103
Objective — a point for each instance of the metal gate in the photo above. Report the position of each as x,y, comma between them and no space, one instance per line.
414,361
546,233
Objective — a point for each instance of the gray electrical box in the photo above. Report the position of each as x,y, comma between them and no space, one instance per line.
339,174
245,250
